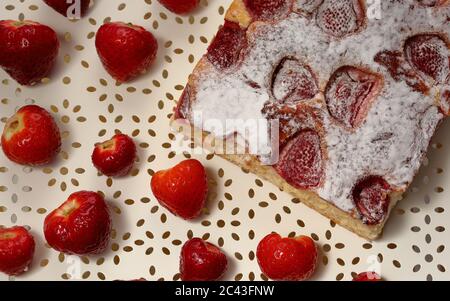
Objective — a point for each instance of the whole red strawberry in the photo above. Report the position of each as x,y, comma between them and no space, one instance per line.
31,136
81,225
115,157
28,50
182,189
201,261
180,6
72,9
290,259
125,50
367,277
16,250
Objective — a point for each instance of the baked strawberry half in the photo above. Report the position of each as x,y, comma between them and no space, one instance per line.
70,9
288,259
202,261
28,50
115,157
16,250
81,225
180,7
31,137
182,189
126,50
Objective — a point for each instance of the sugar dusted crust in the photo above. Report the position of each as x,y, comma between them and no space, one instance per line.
341,212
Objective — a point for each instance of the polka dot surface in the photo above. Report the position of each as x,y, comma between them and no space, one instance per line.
89,106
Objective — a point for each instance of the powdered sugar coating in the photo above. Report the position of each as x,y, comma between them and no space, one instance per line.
395,135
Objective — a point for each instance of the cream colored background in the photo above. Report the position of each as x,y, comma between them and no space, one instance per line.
89,107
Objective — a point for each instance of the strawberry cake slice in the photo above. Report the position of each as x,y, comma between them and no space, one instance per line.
333,101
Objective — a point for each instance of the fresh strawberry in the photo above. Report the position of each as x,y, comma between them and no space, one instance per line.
182,189
81,225
115,157
31,136
201,261
16,250
291,259
367,277
126,50
28,50
180,7
73,9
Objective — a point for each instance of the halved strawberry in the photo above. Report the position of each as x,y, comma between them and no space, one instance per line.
371,196
182,189
16,250
340,18
180,7
81,225
201,261
227,45
115,157
291,259
305,151
350,93
31,137
430,55
367,277
125,50
28,50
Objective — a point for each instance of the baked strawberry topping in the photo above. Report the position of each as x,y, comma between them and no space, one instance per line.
293,81
349,94
400,70
431,3
268,9
301,161
371,197
429,54
226,47
340,18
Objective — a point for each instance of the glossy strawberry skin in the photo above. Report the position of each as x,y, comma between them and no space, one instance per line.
182,189
62,7
115,158
28,50
125,50
16,250
36,140
201,261
180,7
81,225
287,259
367,277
